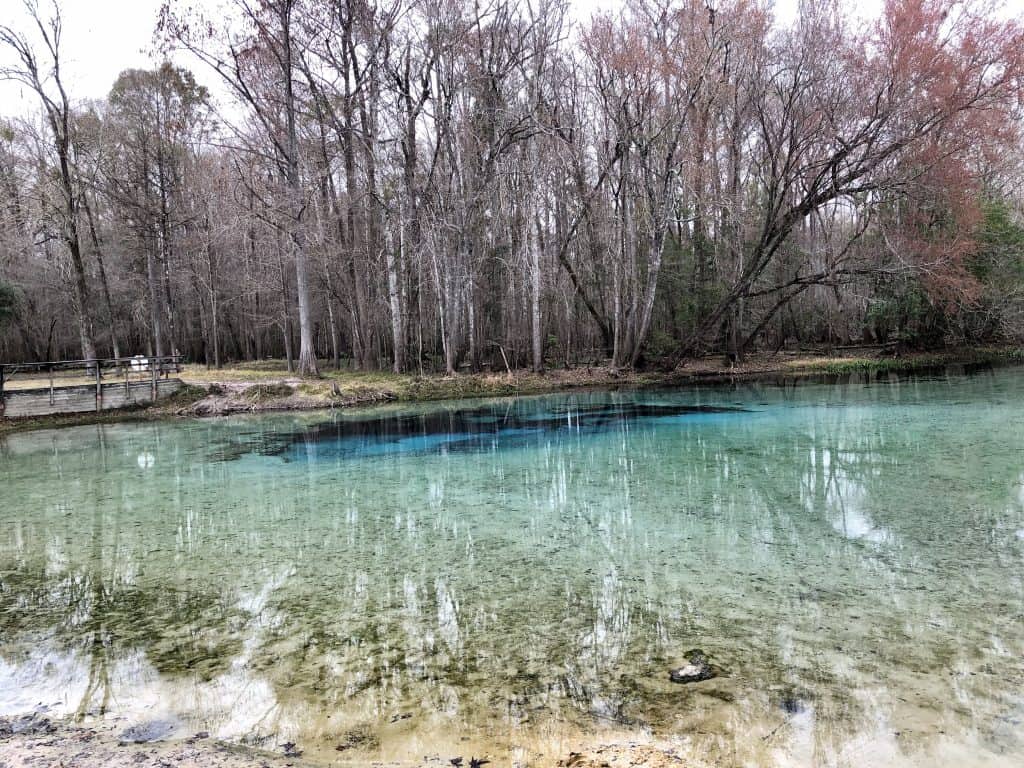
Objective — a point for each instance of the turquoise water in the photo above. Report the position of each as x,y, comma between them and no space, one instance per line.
516,577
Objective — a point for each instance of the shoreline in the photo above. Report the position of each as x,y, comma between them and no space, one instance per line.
35,739
264,388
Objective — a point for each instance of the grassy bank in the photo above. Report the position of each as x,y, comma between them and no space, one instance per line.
913,362
413,388
268,386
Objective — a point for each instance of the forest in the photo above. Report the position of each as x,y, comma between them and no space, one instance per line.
447,185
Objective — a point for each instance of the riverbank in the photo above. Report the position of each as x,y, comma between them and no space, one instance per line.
35,740
267,385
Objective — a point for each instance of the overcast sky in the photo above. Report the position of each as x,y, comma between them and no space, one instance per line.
104,37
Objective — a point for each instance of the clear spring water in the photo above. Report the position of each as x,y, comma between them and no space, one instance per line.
514,577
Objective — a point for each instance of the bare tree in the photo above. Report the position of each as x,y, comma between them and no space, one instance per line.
43,76
268,41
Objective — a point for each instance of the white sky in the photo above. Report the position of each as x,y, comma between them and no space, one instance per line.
104,37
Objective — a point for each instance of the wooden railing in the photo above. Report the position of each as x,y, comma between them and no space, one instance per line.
99,370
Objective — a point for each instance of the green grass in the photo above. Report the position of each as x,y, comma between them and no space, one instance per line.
268,391
916,362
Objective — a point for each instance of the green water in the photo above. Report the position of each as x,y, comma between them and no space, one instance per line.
375,587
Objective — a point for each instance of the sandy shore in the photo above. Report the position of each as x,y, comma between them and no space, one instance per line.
34,741
37,741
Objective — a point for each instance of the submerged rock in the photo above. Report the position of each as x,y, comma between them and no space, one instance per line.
26,725
290,750
143,733
696,669
792,704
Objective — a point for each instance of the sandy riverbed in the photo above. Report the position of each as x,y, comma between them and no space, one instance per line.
37,741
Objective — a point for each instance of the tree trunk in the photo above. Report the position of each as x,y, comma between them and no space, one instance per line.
155,309
104,282
395,300
307,352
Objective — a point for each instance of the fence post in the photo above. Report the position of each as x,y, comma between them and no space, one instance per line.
3,402
99,389
152,370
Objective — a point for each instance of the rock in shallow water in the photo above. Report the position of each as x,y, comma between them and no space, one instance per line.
792,705
143,733
696,669
290,750
26,725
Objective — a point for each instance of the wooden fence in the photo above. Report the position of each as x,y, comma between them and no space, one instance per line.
79,386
